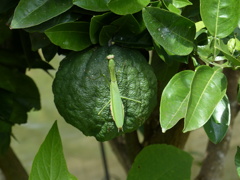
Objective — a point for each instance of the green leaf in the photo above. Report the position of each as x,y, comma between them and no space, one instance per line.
27,94
39,40
174,99
217,126
6,106
162,26
237,160
123,7
163,162
220,16
175,5
73,36
180,3
207,89
49,52
167,58
49,162
215,131
106,34
96,24
7,79
224,49
68,16
131,40
5,31
93,5
7,4
171,7
33,12
222,112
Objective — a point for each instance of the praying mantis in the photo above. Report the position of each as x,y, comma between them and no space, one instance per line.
116,104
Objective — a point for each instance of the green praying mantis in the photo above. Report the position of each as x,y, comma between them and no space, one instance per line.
116,104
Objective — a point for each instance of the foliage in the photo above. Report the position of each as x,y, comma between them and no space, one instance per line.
191,42
49,162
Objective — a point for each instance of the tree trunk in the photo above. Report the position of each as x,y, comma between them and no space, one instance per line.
11,167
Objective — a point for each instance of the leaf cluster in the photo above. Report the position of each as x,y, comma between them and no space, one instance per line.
192,42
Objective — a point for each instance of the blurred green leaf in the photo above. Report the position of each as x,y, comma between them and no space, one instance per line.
7,4
33,12
207,89
73,36
174,99
5,32
224,49
39,40
49,162
6,106
220,16
217,126
180,3
123,7
96,24
5,126
155,160
106,34
6,79
49,52
162,26
168,58
237,160
92,5
131,40
27,94
169,5
19,114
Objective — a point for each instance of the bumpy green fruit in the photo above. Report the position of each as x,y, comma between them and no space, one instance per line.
81,89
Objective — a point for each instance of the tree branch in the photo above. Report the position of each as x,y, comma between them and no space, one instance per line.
12,167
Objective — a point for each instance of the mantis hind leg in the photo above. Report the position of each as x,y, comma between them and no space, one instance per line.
131,99
104,107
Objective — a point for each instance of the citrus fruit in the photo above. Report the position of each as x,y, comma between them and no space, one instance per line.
82,88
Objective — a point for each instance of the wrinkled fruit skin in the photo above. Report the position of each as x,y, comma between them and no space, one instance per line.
81,89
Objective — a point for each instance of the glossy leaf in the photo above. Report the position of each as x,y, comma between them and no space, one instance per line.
168,58
174,99
180,3
93,5
220,16
224,49
215,131
207,89
175,33
171,7
174,5
33,12
222,112
237,160
217,126
123,7
49,162
163,162
62,18
73,36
